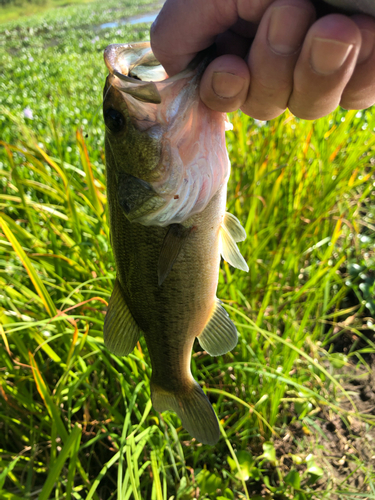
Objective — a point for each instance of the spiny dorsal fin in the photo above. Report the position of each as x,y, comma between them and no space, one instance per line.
231,232
219,335
173,242
121,332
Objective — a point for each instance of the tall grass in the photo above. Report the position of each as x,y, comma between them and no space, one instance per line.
77,421
15,9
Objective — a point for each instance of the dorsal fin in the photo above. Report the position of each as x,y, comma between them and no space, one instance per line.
121,332
231,232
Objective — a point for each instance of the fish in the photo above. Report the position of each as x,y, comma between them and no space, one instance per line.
167,170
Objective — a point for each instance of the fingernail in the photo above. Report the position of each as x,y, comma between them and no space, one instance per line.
227,85
367,45
287,29
328,56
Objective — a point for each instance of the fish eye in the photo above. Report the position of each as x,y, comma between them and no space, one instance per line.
114,120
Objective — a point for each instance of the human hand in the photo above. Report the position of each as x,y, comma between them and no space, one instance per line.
295,61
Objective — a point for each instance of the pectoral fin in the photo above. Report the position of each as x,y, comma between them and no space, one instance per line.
121,332
234,228
231,232
219,335
173,242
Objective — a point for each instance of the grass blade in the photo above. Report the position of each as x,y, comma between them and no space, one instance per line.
45,395
155,473
37,282
69,448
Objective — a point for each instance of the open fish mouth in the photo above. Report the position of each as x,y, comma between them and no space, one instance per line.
135,69
140,74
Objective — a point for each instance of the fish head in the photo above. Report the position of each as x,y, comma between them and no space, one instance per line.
136,151
133,151
165,148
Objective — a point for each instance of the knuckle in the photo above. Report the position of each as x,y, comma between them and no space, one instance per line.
253,10
311,110
224,10
271,86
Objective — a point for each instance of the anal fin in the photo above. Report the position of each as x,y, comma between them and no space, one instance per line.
219,335
121,332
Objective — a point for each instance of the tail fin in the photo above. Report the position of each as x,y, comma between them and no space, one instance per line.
193,408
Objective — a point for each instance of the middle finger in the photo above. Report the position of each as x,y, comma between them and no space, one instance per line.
273,56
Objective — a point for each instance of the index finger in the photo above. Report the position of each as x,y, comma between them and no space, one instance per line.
184,28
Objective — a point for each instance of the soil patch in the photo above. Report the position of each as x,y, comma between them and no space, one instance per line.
343,445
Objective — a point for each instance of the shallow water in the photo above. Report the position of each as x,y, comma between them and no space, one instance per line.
144,18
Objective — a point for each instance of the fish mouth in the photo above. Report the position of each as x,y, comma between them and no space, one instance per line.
134,70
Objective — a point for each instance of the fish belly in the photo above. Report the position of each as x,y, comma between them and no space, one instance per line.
173,314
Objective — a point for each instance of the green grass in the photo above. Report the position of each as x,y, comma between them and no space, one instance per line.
75,420
11,10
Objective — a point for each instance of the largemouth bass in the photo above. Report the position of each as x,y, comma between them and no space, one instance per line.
167,170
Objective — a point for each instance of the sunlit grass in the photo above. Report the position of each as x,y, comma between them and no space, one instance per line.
15,9
77,421
57,275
